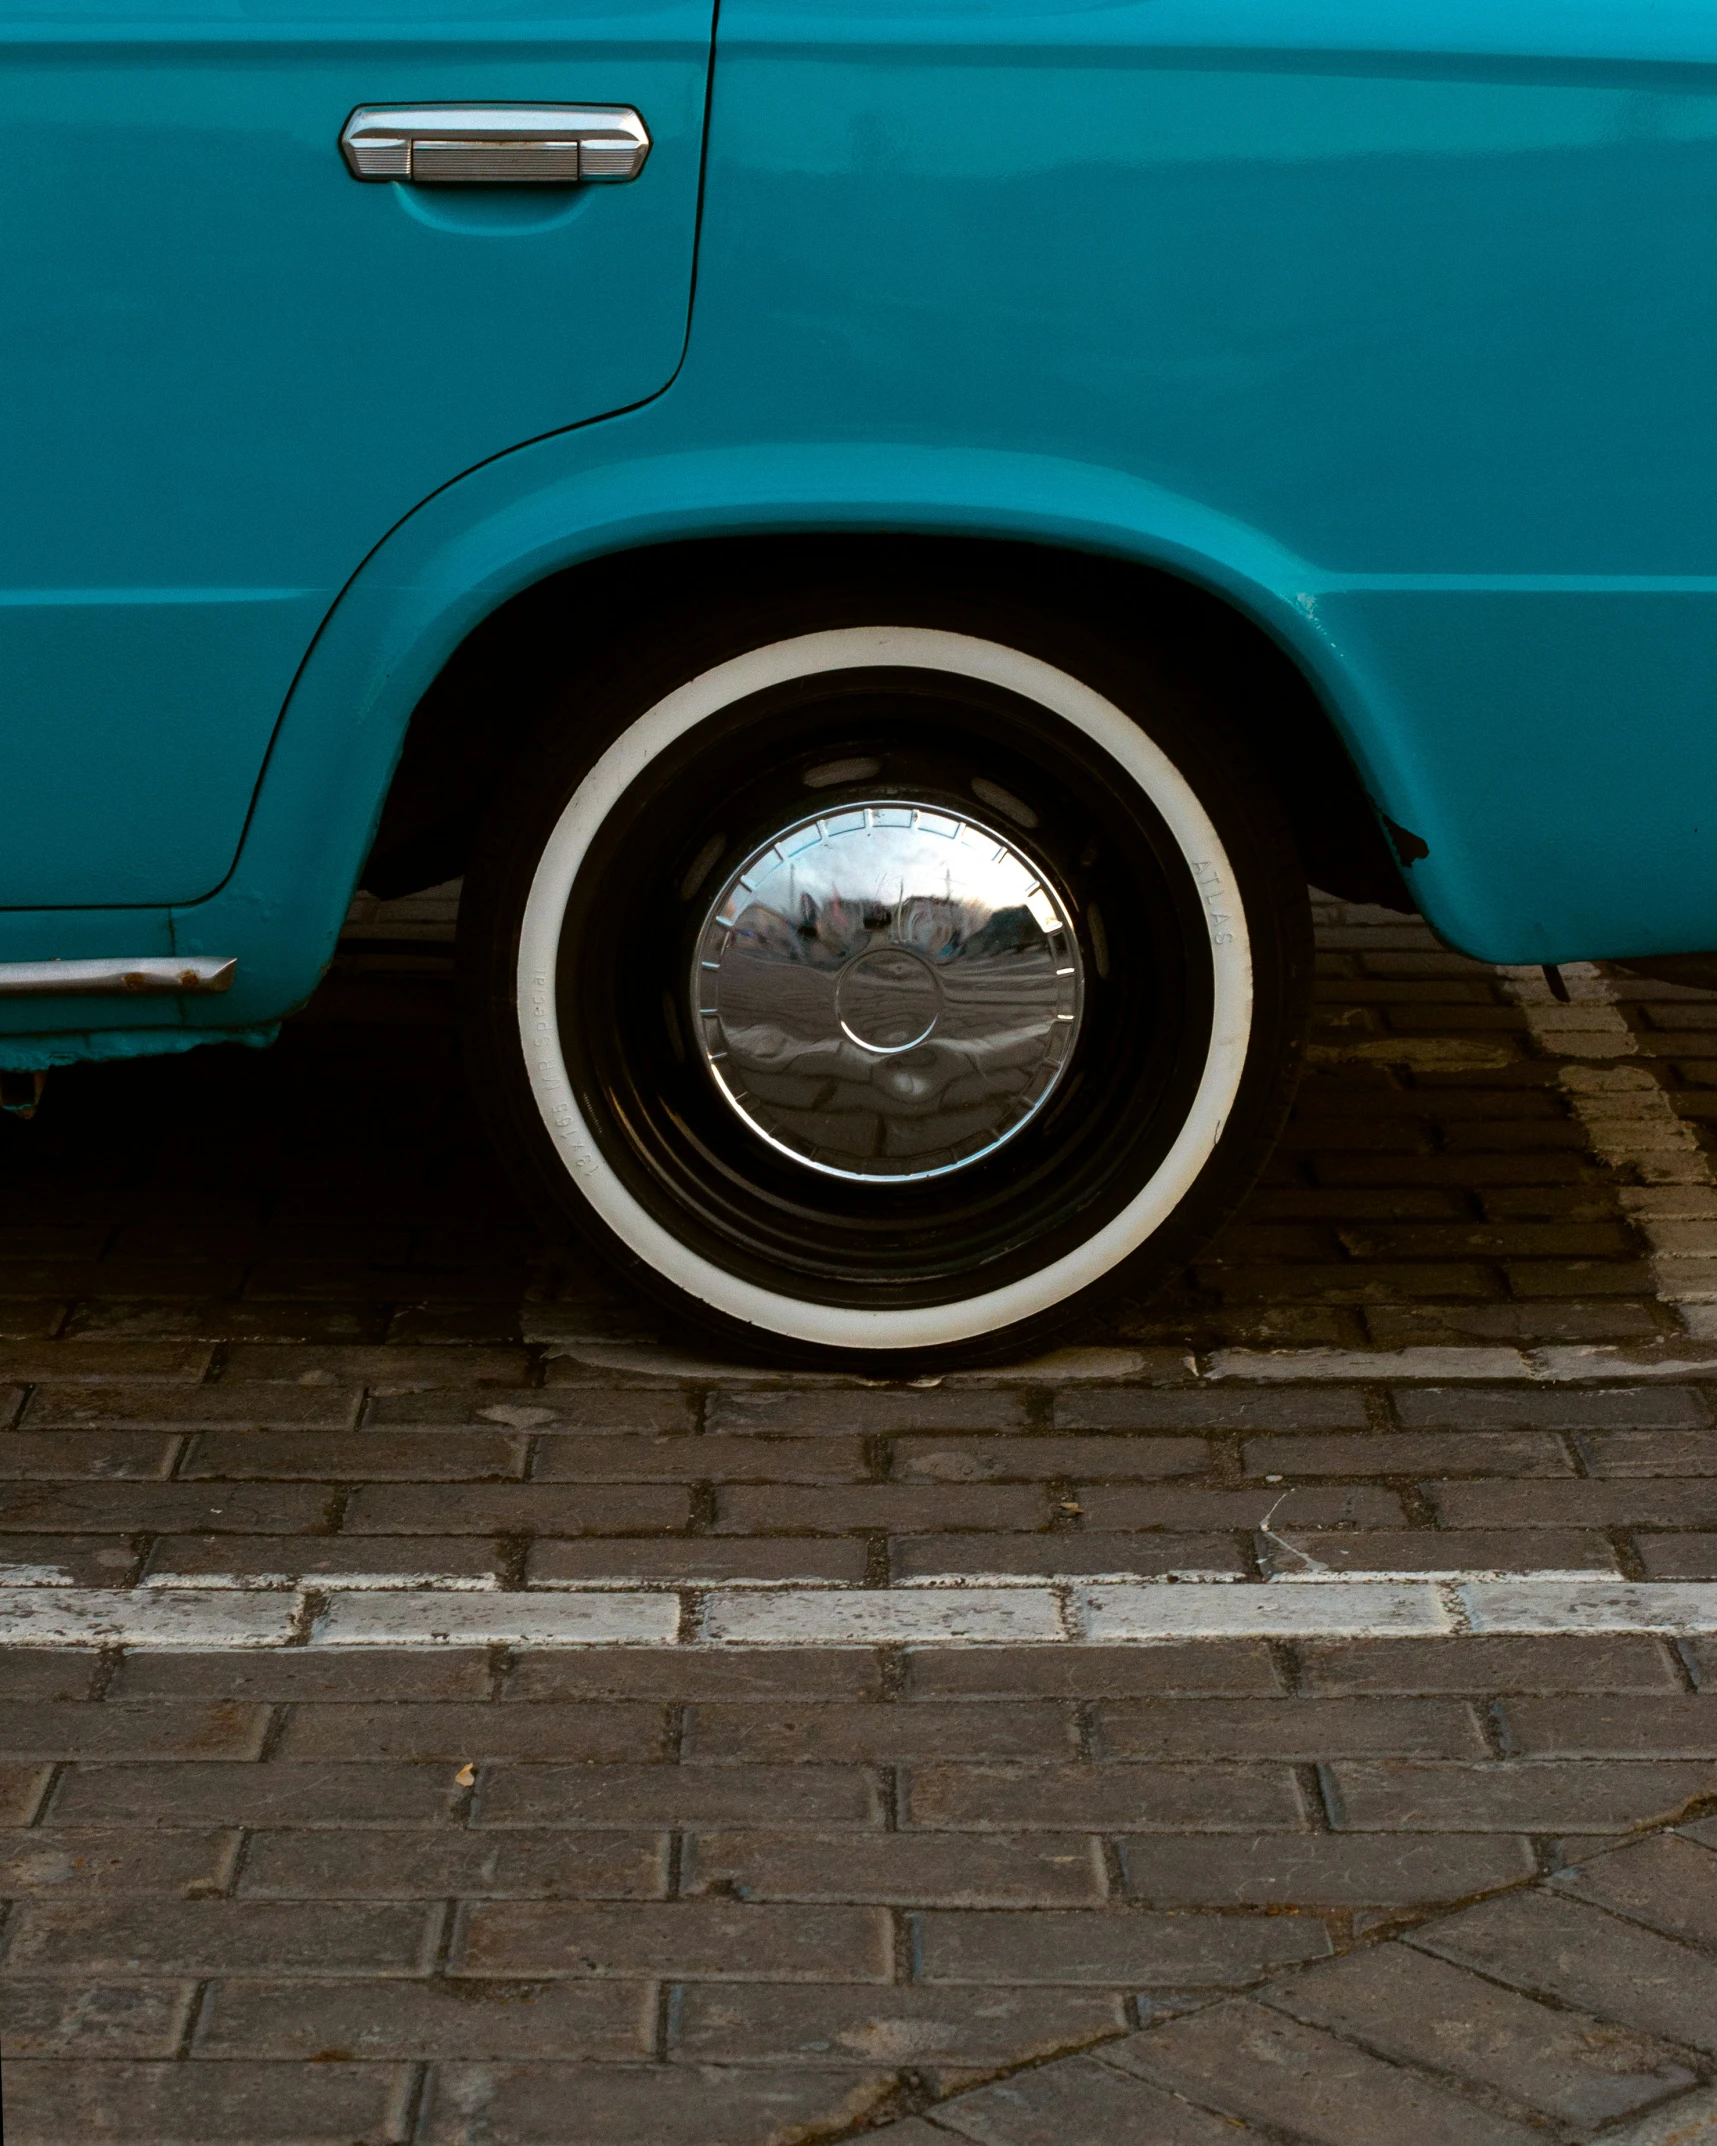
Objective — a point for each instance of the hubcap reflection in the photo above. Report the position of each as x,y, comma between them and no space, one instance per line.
887,991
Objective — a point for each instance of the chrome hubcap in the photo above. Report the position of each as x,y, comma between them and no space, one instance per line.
887,991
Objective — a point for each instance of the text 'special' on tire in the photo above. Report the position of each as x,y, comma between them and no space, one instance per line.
882,992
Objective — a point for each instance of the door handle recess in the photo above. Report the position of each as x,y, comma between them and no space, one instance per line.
495,144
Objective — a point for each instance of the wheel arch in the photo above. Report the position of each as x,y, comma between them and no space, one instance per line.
464,729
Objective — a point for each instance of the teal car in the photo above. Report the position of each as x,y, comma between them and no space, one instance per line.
885,542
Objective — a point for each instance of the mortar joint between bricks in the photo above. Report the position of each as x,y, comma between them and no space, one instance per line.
903,1926
1228,1459
1088,1729
106,1668
498,1669
216,1368
892,1780
1687,1664
876,1573
675,1877
1497,1729
877,1450
701,1508
311,1605
893,1668
694,1606
511,1554
676,1731
414,2104
273,1731
185,2046
670,2010
1290,1667
1379,1408
1625,1551
1321,1796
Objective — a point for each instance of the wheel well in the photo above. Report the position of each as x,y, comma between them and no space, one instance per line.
473,718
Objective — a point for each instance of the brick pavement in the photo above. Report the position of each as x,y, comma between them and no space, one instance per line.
270,1318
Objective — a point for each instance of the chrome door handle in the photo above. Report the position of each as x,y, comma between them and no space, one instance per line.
495,144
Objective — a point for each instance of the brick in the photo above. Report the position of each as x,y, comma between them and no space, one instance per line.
1580,1277
179,1508
1350,1284
66,1561
705,1940
1302,1729
869,1412
515,1508
1060,1553
1578,1662
594,1731
221,1319
696,1561
169,1730
390,1369
68,1862
354,1456
1524,1796
1667,1883
446,1325
1322,1870
900,1508
1411,1453
120,1456
770,1674
1292,1550
21,1792
1192,1668
168,1406
906,1869
312,1864
199,1937
1489,1240
62,1363
1657,1501
1402,1326
32,1673
1552,1408
1081,2102
615,1408
1678,1557
1257,2065
1674,1726
1299,1202
1211,1408
340,1560
584,1457
106,2019
1216,1799
1577,1955
805,2024
993,1460
1497,1168
677,1795
201,1792
250,2104
919,1730
1114,1949
654,2105
1331,1505
436,2019
1416,2009
303,1673
564,1410
1651,1452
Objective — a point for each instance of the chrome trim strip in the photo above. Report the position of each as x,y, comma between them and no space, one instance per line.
147,975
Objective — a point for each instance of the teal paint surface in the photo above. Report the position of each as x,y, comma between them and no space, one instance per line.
1394,322
227,369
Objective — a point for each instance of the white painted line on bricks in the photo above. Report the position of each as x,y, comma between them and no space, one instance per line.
1104,1613
1364,1609
1674,1608
488,1620
871,1617
122,1617
298,1580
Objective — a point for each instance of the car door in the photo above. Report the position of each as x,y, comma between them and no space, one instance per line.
229,364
